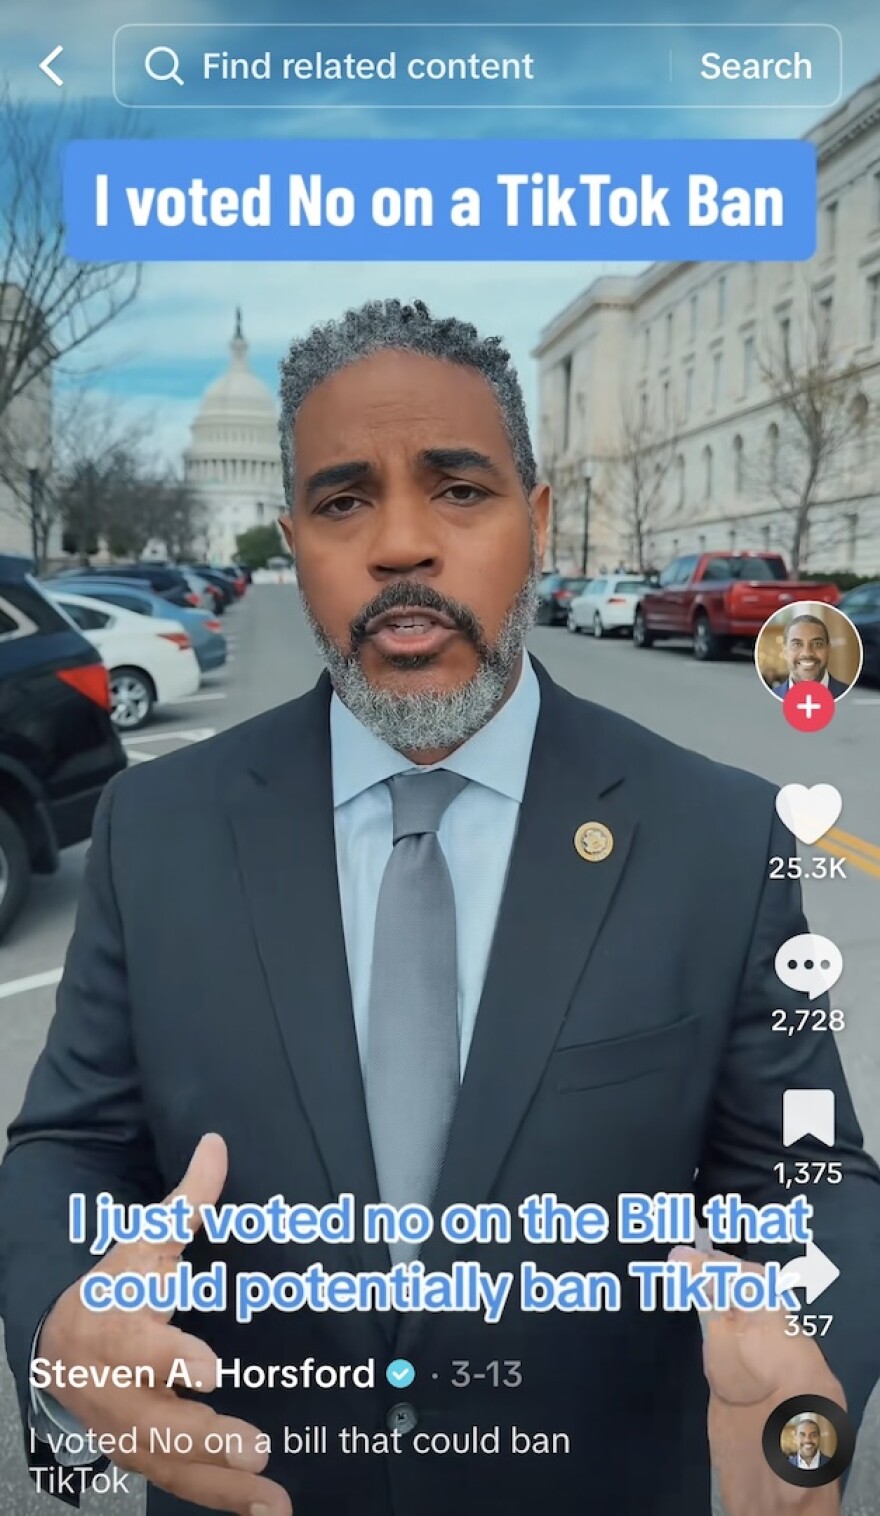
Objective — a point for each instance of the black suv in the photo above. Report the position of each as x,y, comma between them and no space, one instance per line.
555,594
58,746
166,581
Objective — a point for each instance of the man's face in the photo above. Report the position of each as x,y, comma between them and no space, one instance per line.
808,1440
412,535
806,651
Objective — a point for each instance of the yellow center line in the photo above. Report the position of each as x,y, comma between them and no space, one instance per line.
846,850
859,843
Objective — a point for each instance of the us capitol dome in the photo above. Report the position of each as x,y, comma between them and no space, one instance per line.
233,461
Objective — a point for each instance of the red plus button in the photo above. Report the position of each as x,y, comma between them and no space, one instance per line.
808,706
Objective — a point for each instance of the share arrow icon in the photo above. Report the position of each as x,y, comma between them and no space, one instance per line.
813,1272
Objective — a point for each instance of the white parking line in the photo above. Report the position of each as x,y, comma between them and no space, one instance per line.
185,734
32,982
194,734
195,700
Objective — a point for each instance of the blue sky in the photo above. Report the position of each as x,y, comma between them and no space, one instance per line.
171,343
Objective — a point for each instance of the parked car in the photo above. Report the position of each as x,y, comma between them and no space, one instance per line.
150,661
207,593
205,631
606,605
236,575
717,600
862,606
170,583
555,593
58,746
222,582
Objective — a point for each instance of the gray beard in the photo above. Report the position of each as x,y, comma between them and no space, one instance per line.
427,720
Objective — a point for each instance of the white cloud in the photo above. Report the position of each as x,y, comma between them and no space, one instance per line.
186,312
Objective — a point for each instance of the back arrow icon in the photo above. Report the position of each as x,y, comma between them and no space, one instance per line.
45,66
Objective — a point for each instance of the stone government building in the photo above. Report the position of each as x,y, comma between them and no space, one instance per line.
682,349
25,433
233,461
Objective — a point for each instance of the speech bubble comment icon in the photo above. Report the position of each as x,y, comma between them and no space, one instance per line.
809,964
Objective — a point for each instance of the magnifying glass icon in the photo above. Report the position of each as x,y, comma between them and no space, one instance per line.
172,72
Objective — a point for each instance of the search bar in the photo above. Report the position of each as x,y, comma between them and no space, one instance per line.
478,66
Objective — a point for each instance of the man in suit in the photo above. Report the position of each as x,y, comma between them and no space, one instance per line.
426,988
806,646
809,1454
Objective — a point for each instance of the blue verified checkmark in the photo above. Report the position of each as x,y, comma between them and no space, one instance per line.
400,1373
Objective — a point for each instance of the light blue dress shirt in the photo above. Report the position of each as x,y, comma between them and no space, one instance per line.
476,835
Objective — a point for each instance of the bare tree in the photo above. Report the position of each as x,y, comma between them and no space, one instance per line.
816,418
100,464
89,443
639,468
50,303
106,488
157,507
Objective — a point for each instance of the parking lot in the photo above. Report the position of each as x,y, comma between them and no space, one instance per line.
720,709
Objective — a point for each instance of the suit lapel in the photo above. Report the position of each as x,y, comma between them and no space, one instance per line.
281,812
551,915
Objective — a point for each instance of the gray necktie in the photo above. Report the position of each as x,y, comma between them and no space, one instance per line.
412,1078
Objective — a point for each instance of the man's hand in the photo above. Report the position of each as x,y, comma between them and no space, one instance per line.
751,1367
227,1481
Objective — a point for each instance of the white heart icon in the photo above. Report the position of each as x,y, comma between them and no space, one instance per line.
808,812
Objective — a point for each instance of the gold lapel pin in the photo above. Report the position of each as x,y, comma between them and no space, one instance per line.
593,841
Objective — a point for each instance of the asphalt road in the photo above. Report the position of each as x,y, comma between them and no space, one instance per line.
718,709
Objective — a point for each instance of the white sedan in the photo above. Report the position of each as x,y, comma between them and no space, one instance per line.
607,605
149,659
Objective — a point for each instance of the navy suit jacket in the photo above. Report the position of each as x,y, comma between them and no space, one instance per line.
624,1042
836,686
823,1459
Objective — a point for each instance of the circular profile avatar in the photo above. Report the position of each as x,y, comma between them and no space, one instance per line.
808,643
809,1441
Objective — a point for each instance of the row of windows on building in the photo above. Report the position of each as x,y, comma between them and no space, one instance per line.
720,301
754,363
779,354
761,474
829,215
776,358
769,535
716,295
824,308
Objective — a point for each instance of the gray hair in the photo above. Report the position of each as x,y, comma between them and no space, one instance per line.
389,324
798,621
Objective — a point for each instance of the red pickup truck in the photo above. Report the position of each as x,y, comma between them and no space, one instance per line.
719,599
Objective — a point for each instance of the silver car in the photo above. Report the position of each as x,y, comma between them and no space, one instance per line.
607,605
